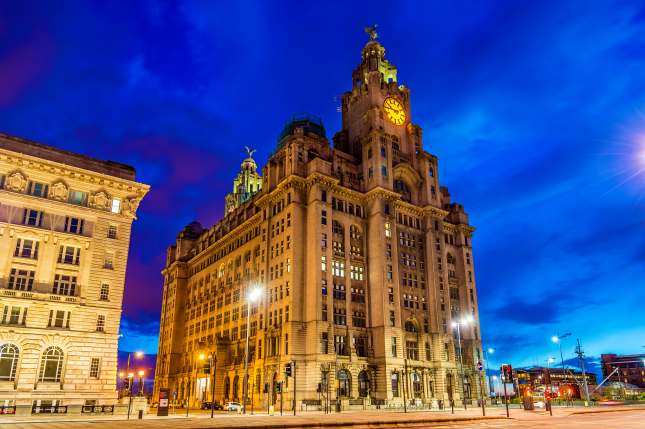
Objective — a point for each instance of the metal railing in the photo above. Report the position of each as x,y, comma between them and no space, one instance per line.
49,409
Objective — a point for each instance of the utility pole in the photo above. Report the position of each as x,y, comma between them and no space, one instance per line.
294,387
581,357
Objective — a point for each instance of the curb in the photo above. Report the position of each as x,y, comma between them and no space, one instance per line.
606,411
388,424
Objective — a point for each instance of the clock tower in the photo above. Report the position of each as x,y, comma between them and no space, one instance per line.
378,129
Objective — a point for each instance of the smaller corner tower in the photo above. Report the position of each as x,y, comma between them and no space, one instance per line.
246,184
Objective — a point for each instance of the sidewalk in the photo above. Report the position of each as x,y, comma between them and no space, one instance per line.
356,419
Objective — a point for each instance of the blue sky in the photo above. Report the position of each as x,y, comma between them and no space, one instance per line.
536,111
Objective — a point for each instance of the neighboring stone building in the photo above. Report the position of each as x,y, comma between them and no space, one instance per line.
65,224
363,259
628,369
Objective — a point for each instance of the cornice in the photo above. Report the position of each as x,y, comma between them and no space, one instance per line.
410,208
435,211
63,170
381,193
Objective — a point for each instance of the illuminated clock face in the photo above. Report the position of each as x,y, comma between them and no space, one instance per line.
394,111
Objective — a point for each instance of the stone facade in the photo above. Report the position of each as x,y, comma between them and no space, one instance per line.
65,224
363,260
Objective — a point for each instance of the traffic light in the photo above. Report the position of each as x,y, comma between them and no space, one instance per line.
207,368
287,369
509,370
278,387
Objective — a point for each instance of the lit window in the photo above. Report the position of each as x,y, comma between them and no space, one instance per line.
388,229
116,205
77,197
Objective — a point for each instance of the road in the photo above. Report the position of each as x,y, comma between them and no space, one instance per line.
568,418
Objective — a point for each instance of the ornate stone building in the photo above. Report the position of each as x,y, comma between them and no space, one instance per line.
363,259
64,235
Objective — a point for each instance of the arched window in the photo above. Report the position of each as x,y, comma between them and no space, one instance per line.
410,326
8,362
51,365
363,384
402,188
450,258
344,383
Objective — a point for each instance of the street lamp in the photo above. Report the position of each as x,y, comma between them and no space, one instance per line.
212,361
140,373
253,295
457,324
488,351
557,339
130,381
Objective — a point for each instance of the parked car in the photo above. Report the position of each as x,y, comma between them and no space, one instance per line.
206,405
539,403
233,406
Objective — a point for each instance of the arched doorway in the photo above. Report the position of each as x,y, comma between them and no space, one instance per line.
449,386
417,388
344,384
227,387
236,382
363,384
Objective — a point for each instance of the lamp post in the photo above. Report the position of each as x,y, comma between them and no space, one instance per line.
212,361
549,361
141,373
488,351
252,296
137,355
130,381
557,339
457,325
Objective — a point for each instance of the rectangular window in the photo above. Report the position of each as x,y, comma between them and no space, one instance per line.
14,316
69,255
394,346
77,197
412,350
104,295
26,249
108,261
58,319
74,225
324,313
100,323
94,367
383,171
32,217
323,217
21,279
395,385
339,345
392,318
338,268
64,285
111,232
323,263
37,189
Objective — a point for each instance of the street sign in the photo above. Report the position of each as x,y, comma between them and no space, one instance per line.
480,366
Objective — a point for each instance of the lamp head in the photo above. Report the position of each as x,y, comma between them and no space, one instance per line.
254,294
555,339
491,350
141,373
138,354
454,324
202,356
130,374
